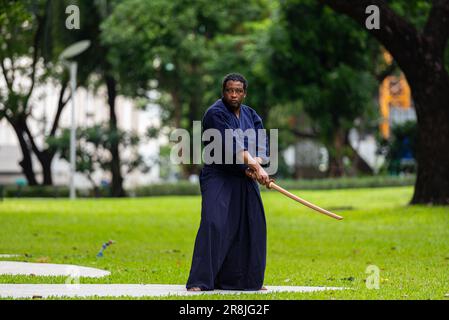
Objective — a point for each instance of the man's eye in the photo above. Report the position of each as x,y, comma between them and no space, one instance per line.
239,91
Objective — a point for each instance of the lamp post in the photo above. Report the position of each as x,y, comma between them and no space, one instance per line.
67,58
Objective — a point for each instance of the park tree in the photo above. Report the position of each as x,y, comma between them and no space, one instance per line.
34,33
416,34
27,61
92,152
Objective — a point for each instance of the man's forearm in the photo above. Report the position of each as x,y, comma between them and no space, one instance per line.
252,162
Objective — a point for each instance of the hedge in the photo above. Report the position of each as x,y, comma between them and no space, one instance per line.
47,192
186,188
348,182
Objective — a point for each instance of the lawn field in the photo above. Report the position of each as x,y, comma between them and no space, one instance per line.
155,236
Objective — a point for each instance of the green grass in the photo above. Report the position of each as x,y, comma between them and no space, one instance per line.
154,241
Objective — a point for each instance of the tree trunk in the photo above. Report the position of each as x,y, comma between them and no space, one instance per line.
47,159
432,107
117,178
359,165
336,167
46,156
178,108
26,163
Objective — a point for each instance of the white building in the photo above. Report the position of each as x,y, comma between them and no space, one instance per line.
90,109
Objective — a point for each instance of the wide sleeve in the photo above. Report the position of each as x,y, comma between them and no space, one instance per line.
263,145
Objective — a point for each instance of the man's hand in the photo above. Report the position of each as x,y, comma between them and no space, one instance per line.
258,174
257,171
262,176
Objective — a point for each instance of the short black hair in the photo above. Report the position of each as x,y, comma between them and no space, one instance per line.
234,77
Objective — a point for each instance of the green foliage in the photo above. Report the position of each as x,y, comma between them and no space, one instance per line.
182,45
181,188
305,50
324,61
183,49
29,30
36,192
18,28
415,12
18,31
288,117
52,192
94,59
344,95
348,182
92,150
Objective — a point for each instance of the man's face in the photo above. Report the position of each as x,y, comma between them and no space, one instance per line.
233,94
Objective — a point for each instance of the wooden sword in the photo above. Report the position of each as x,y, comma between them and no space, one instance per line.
273,185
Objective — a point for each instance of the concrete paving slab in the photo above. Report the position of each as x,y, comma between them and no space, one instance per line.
49,269
131,290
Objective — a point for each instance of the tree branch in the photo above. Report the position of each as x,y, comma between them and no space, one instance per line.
37,37
392,28
5,74
61,105
34,147
35,57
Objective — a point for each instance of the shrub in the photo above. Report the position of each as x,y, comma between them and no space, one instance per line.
184,188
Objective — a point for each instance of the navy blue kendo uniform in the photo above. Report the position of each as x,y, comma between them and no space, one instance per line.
230,247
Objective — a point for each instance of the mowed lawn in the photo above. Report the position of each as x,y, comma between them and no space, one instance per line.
155,236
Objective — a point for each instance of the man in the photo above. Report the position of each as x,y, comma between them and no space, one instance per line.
230,247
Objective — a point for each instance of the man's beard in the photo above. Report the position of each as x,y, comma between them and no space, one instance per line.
235,106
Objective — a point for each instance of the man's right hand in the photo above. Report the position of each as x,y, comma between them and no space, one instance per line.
259,174
254,164
262,176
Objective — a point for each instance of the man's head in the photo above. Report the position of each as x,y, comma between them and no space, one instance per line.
234,89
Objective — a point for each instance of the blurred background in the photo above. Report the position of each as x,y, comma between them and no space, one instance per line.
346,113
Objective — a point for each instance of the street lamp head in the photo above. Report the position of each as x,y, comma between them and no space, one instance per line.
74,50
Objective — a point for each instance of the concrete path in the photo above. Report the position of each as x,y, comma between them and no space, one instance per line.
102,290
49,269
132,290
7,255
